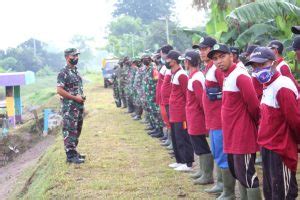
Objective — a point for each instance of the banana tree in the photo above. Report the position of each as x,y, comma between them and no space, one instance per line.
264,18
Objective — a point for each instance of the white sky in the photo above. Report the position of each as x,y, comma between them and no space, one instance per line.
56,21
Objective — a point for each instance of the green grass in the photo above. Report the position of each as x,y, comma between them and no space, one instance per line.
38,93
123,162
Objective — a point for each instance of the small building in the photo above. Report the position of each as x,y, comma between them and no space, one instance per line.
12,83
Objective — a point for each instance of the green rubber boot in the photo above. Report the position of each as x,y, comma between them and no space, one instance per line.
229,184
170,147
207,166
253,194
198,173
243,191
218,187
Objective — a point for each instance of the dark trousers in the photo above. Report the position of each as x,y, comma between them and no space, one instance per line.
130,104
138,110
242,168
200,144
167,110
182,146
279,182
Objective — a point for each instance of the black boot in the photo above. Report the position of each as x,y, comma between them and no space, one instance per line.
72,157
118,104
81,156
158,134
149,128
153,131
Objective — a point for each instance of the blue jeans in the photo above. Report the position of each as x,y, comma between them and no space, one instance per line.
216,142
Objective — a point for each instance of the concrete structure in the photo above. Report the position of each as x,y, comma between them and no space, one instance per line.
12,83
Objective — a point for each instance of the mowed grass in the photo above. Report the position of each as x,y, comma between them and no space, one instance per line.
123,162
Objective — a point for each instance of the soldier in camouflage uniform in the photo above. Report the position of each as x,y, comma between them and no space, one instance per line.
116,92
70,88
138,86
151,77
128,89
136,90
143,98
123,77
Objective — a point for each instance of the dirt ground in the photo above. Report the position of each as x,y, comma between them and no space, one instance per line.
11,172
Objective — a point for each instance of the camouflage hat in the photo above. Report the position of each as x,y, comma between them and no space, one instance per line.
71,51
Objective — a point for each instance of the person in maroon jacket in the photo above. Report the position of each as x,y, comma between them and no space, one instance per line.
212,102
182,146
240,116
236,53
165,92
195,114
282,67
278,140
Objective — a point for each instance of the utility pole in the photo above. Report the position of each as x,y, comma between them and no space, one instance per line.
166,19
132,49
167,30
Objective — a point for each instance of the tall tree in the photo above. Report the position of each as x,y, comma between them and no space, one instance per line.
83,44
148,11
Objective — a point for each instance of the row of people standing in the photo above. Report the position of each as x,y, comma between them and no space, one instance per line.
222,100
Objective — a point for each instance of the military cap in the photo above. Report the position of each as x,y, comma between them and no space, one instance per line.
71,51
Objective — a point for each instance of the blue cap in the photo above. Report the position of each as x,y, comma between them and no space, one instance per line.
206,42
261,55
296,43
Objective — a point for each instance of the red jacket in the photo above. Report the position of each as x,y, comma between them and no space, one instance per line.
212,109
194,107
178,96
258,88
285,70
160,81
240,112
280,119
166,88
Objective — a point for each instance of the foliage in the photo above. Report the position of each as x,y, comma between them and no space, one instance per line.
83,44
147,11
125,25
135,37
246,22
2,70
8,63
30,55
45,71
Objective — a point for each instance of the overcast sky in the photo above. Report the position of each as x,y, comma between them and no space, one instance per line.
56,21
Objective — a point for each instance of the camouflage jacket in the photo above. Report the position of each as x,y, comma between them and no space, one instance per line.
131,80
70,80
150,83
124,75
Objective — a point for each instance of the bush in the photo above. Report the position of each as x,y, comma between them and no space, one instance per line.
45,71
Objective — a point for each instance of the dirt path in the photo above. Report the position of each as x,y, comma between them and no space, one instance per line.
10,173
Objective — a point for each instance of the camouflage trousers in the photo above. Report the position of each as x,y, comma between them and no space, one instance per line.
123,96
117,96
154,115
130,102
72,126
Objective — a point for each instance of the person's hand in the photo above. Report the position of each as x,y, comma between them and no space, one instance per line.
78,99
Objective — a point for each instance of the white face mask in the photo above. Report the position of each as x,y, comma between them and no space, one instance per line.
162,61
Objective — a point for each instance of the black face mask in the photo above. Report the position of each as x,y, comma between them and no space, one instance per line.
146,62
168,66
73,61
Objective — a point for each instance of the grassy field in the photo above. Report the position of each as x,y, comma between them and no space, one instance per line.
44,88
123,162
